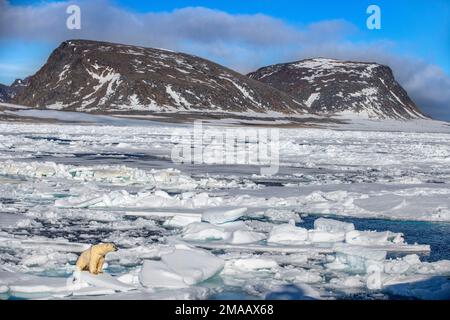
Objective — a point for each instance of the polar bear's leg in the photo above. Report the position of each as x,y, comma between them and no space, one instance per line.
100,263
93,263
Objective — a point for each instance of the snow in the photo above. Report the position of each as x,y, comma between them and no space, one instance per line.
106,76
63,75
177,97
245,93
365,92
58,105
312,98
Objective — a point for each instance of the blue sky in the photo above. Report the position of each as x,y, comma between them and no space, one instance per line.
244,35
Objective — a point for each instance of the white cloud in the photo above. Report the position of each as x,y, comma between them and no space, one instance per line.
241,42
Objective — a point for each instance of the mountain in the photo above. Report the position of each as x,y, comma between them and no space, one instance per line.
18,86
5,93
102,77
330,86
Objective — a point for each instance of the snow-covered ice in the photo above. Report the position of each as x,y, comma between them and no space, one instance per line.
219,216
288,234
181,268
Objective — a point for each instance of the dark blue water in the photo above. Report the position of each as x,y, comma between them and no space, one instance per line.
435,234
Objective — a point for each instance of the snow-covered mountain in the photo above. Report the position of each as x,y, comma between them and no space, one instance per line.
102,77
330,86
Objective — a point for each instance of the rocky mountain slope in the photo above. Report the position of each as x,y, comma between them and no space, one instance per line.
102,77
329,86
5,93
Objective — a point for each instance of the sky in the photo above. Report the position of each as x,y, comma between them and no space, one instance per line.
414,39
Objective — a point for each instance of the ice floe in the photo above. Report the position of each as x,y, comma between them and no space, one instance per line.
288,234
220,216
182,267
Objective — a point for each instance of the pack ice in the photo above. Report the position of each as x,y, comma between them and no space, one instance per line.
208,231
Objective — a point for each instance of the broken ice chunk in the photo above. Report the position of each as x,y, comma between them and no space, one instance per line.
34,286
182,220
245,237
412,264
194,266
282,215
200,231
156,274
288,234
356,281
324,236
181,268
356,259
373,238
104,280
246,265
297,275
221,215
333,226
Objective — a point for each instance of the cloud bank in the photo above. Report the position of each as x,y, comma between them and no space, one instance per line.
241,42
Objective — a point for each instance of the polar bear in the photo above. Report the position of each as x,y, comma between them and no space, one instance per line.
93,258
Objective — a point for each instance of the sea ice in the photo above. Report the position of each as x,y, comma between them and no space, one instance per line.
248,265
182,267
280,215
288,234
35,286
220,215
374,238
333,226
193,264
156,274
104,280
324,236
356,259
201,231
245,237
181,220
299,275
58,201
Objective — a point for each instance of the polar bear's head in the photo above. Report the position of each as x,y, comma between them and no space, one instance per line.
104,248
